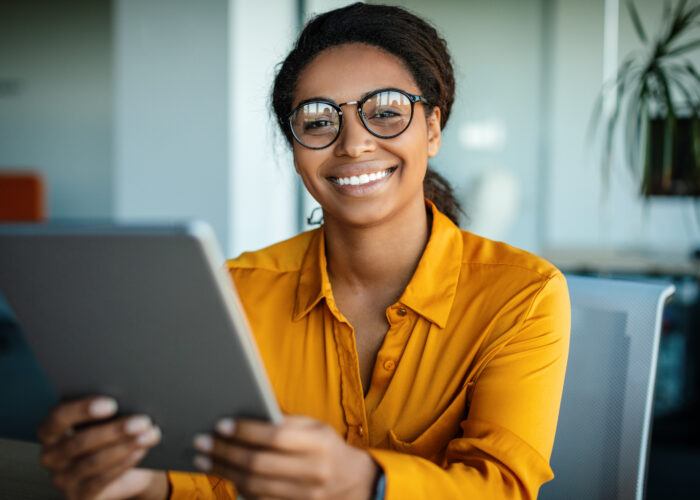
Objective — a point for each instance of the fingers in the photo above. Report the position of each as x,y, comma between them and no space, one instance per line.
61,454
83,462
292,435
94,470
92,486
260,486
65,417
256,461
107,458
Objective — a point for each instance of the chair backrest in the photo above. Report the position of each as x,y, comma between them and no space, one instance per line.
601,446
21,197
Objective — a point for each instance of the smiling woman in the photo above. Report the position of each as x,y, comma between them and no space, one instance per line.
413,359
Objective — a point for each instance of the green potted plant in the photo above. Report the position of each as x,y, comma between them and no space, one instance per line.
657,103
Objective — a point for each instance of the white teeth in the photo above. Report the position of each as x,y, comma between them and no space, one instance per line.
357,180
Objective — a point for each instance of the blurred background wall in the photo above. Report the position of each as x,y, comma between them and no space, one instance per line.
159,109
56,100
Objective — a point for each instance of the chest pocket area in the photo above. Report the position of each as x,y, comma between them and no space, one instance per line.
432,442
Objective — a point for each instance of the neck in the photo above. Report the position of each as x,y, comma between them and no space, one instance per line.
380,257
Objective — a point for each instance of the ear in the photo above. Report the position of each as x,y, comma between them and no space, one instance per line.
434,132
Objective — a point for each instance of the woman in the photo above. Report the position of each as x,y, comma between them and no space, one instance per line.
427,362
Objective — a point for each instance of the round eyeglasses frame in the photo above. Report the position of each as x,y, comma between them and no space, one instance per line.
413,98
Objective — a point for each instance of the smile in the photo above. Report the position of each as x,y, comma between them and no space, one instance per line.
359,180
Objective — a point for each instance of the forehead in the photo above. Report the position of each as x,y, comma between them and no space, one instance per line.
347,72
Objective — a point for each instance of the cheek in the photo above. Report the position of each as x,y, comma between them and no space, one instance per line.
413,149
307,164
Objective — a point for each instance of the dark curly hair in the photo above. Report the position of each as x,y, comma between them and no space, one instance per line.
396,31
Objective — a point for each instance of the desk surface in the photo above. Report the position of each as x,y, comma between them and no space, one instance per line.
627,261
21,475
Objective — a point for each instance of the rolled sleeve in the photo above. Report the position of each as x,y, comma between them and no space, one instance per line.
187,486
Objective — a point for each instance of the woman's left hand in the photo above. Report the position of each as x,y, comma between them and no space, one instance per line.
300,458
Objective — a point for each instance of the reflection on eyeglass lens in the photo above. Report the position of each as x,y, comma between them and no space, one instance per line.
385,114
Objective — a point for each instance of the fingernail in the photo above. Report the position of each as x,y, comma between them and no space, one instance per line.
149,438
103,407
225,426
137,424
203,443
202,462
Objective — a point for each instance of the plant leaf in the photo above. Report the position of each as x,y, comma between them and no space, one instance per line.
693,72
636,21
695,143
680,7
684,90
639,110
625,73
691,90
679,23
631,115
683,48
667,12
646,172
669,132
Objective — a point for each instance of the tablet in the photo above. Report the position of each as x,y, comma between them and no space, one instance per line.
145,314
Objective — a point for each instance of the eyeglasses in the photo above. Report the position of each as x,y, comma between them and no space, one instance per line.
385,113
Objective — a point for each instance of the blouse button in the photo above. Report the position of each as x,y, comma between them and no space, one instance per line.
402,312
389,365
360,431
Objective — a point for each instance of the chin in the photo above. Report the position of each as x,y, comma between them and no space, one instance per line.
362,215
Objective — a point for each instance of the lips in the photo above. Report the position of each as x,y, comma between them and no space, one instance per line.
362,178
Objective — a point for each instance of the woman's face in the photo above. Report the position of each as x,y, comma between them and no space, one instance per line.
347,73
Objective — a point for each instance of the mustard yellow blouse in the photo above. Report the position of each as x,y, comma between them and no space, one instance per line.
465,392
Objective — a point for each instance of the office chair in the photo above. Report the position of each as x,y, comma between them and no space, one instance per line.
602,441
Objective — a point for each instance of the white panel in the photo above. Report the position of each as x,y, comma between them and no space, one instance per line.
263,181
171,136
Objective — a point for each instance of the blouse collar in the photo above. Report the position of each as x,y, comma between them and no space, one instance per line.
430,292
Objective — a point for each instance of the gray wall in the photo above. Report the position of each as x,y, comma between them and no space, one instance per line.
171,101
56,100
581,213
530,71
156,109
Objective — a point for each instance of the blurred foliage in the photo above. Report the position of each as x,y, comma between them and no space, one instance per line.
657,104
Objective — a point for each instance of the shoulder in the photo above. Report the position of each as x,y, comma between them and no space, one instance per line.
509,282
509,294
498,258
267,279
283,257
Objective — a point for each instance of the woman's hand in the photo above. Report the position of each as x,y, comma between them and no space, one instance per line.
300,458
97,461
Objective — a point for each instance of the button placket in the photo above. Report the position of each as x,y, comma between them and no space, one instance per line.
351,386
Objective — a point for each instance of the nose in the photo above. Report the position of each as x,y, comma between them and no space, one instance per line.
354,138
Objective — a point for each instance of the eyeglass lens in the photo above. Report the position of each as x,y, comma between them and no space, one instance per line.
385,114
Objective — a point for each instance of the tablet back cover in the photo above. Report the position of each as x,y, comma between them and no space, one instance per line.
143,314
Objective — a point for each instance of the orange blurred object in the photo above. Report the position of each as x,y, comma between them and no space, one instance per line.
21,197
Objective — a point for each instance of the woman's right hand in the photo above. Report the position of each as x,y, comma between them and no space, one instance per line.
98,460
